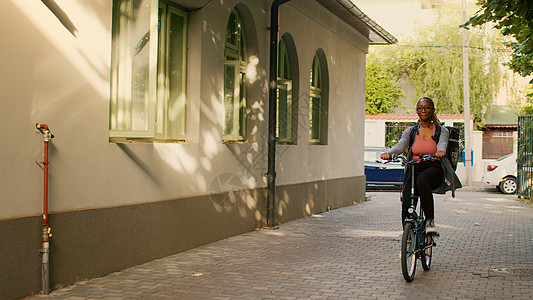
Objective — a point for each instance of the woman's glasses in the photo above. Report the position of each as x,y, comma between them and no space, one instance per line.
421,108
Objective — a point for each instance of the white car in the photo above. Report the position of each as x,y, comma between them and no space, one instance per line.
501,173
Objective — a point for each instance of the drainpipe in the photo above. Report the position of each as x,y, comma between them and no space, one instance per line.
47,232
272,108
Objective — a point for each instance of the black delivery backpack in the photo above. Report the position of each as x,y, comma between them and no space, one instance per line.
452,150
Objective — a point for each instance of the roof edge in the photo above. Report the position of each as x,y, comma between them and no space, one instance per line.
355,11
412,116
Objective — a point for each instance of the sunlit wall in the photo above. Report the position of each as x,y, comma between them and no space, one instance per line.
62,78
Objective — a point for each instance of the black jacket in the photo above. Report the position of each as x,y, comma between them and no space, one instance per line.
451,182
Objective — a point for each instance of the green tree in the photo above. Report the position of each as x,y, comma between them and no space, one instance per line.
527,107
514,18
433,63
382,92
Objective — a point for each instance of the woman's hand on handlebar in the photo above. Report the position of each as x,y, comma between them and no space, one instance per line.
385,156
440,154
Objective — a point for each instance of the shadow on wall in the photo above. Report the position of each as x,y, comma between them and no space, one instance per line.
233,196
206,168
197,164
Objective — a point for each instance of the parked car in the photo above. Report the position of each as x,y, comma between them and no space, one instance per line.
381,174
501,173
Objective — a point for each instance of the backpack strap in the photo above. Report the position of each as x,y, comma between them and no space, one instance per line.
436,136
412,136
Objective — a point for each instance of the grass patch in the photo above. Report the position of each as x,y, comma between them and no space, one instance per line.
526,201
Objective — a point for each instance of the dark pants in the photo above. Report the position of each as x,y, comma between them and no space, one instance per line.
428,176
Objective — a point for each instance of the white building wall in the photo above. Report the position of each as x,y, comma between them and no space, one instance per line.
477,167
375,133
53,77
345,52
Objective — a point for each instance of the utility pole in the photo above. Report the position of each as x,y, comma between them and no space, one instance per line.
466,105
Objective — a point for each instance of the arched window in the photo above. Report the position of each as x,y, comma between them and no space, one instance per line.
235,80
284,96
315,102
319,100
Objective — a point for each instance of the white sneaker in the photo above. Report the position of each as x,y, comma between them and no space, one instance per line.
431,229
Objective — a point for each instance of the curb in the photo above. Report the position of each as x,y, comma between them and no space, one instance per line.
486,189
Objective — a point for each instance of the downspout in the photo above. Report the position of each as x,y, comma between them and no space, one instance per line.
272,108
46,232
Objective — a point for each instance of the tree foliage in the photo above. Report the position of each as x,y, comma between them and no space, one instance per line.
527,107
382,92
514,18
433,63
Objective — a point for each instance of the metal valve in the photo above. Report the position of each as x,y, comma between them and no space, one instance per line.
47,134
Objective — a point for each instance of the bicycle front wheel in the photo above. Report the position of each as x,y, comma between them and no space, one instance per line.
428,252
408,252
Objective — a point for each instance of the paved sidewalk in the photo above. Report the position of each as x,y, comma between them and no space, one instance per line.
485,252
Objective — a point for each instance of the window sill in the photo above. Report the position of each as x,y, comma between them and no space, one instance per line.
117,140
236,142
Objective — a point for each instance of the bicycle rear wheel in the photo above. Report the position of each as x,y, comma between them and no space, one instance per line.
408,252
427,254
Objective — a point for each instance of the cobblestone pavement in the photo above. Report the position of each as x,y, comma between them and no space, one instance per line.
484,252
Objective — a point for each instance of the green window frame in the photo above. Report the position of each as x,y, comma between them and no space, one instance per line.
315,102
284,96
234,126
148,80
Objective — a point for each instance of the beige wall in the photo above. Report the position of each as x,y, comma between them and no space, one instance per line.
63,81
399,17
169,193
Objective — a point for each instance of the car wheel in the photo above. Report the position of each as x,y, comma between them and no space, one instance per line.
508,185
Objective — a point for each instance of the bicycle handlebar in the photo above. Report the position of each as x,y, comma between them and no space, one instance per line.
397,158
403,159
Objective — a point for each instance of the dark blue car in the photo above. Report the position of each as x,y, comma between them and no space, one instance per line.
381,174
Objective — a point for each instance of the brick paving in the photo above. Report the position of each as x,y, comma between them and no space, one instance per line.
484,252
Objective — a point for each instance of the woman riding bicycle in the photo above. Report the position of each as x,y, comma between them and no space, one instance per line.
429,174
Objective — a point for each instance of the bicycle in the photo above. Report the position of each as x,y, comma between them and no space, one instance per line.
416,244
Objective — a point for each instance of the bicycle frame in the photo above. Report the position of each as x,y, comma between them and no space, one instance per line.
418,220
416,244
419,227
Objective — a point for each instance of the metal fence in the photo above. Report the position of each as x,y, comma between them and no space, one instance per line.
394,130
525,157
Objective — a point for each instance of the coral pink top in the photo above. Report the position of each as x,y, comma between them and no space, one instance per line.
422,147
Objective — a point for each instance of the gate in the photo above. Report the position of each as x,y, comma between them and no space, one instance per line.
525,157
394,130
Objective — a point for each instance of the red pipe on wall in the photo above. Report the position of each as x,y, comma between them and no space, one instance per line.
45,196
43,128
46,232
